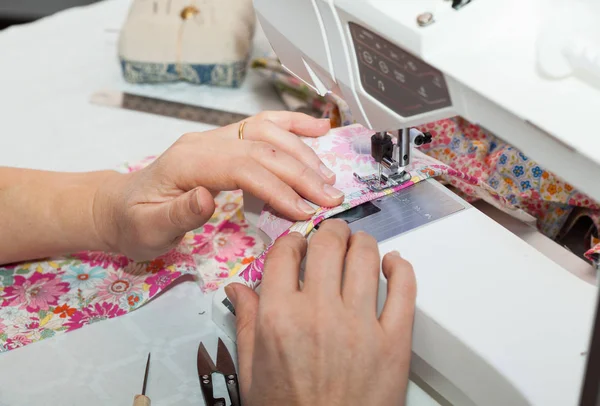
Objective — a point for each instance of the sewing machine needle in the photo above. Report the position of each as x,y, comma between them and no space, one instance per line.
379,178
143,400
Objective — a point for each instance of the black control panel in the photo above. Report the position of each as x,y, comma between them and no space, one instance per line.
396,78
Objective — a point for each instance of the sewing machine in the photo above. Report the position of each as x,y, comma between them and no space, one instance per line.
497,321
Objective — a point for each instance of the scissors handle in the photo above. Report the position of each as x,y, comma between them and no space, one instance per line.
233,389
207,391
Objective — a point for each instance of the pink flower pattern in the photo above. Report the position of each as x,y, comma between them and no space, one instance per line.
93,314
160,281
17,341
116,285
224,243
36,293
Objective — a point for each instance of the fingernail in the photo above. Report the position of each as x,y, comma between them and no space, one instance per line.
332,192
325,120
305,207
326,171
394,254
195,205
230,292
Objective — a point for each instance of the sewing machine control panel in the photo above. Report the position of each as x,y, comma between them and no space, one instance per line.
399,80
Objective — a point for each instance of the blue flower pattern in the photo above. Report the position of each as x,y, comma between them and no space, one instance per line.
536,171
455,144
525,185
518,171
225,75
503,159
84,277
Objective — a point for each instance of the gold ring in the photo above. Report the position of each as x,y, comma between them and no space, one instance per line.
241,130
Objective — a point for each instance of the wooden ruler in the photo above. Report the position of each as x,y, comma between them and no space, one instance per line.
166,108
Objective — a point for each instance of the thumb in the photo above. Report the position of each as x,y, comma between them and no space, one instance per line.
187,212
245,302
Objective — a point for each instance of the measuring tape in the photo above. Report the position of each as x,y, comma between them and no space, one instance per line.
166,108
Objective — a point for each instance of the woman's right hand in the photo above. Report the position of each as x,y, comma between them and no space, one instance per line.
146,213
323,344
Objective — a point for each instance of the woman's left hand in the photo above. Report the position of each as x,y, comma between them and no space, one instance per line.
146,213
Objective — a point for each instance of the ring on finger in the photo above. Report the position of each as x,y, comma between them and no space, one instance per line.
241,131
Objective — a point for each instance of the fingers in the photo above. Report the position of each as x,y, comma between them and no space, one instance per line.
283,139
262,183
170,220
325,260
282,267
306,182
245,302
361,277
297,123
398,311
188,211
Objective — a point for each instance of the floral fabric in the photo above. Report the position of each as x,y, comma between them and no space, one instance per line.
225,75
347,151
525,186
41,299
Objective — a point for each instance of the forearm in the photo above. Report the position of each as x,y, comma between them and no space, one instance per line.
45,214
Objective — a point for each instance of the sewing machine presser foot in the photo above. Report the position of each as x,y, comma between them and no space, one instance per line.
380,182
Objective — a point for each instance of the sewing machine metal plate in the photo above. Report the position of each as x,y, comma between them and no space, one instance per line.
402,211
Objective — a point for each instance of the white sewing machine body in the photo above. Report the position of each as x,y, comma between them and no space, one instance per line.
497,322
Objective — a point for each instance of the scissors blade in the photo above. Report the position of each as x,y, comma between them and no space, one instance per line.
227,368
206,365
224,361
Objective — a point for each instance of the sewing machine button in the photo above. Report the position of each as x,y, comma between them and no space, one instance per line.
399,76
368,57
383,66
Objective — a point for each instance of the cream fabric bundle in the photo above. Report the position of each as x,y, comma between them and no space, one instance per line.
199,41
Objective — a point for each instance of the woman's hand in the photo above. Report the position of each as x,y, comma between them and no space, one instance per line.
144,214
323,344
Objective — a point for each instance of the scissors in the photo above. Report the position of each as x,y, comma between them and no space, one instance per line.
225,367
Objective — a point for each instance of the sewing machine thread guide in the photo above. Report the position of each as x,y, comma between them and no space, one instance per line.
166,108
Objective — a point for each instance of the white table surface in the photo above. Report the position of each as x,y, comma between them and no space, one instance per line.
48,71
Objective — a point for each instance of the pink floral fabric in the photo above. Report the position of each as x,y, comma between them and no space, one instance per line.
347,151
41,299
524,185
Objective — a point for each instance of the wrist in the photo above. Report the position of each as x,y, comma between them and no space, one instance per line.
105,209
